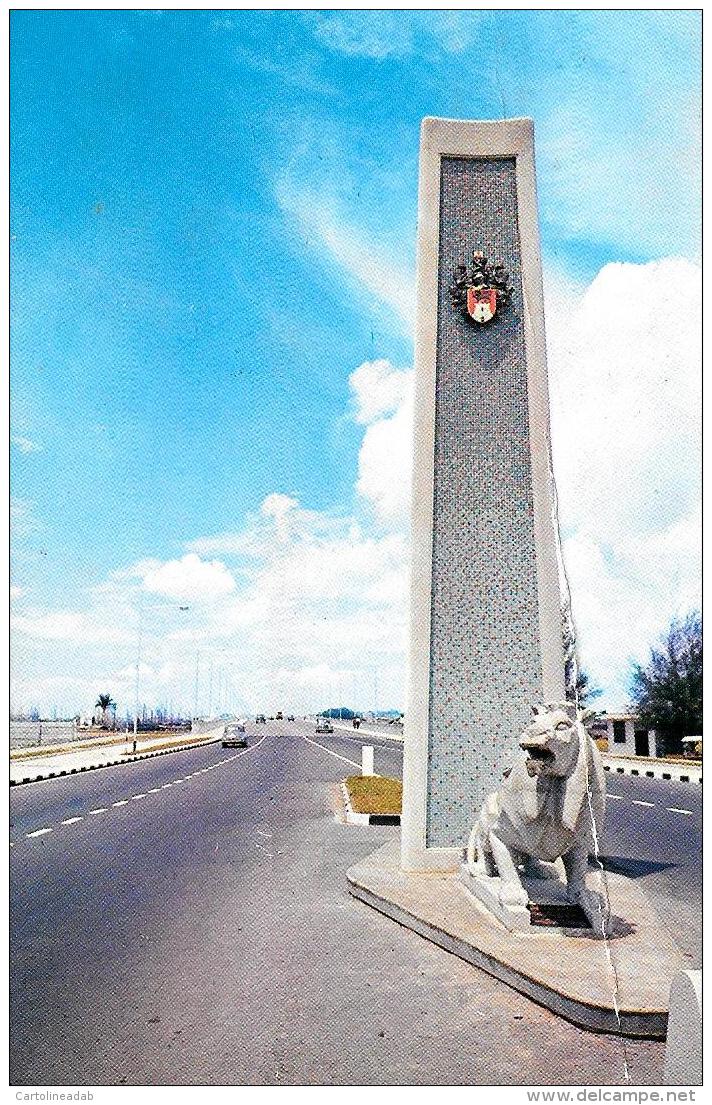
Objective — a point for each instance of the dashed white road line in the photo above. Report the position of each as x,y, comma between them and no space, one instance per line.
650,805
154,790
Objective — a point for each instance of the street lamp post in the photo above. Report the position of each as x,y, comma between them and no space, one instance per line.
138,669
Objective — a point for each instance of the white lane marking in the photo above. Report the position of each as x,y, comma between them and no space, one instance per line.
262,832
270,854
154,790
637,802
674,809
617,797
335,754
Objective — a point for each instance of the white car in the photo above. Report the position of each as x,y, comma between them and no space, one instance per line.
234,735
323,725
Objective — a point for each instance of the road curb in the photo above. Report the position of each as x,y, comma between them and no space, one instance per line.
671,773
110,763
368,733
353,818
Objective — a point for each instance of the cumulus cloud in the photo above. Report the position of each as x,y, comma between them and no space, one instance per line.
189,578
306,608
382,400
378,388
624,372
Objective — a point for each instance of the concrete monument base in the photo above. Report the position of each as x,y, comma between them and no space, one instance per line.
620,985
549,907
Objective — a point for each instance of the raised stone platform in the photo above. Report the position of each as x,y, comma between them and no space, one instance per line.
620,986
548,906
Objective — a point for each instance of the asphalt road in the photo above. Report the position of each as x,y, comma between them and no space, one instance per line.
186,921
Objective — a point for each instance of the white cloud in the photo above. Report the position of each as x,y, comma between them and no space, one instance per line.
369,266
385,465
378,389
306,607
60,626
23,521
384,34
383,402
25,444
189,578
625,377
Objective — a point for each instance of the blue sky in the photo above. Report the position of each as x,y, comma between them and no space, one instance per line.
213,229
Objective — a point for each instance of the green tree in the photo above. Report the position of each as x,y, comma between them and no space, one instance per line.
105,703
667,693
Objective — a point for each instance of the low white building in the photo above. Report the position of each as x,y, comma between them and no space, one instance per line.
626,735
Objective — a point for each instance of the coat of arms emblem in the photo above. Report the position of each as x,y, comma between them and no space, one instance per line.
482,291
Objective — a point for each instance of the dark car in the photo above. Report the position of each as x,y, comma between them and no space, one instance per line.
356,722
291,717
260,719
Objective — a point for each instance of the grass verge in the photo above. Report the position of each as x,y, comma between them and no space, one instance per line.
375,794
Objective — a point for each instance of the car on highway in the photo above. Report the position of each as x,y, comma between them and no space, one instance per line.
234,735
260,719
323,725
291,717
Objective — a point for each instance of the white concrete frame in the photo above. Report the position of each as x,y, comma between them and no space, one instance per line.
455,138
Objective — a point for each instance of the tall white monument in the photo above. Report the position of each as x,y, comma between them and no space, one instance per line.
486,632
486,639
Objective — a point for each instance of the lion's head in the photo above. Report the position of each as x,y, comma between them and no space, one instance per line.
551,741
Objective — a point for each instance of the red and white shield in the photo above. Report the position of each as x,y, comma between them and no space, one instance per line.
481,303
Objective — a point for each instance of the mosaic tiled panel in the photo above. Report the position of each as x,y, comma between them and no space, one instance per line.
485,668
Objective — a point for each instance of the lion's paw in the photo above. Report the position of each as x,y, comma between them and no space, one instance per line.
512,894
594,907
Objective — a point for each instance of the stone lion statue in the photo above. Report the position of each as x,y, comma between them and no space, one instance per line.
550,805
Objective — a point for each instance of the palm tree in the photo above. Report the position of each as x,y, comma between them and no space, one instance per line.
105,703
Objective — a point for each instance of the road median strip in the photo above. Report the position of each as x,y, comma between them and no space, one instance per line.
372,799
164,749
